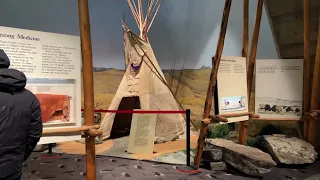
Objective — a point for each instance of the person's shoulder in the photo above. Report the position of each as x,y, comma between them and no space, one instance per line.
31,97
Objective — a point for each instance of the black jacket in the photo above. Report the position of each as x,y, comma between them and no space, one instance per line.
20,119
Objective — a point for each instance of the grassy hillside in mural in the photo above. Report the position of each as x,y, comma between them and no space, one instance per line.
191,93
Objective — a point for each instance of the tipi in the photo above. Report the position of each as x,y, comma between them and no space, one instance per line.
143,85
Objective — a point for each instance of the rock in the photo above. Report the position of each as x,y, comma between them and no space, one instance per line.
97,140
233,135
290,150
160,140
40,148
218,166
249,160
315,177
212,155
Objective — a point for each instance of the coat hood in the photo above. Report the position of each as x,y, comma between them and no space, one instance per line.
4,60
12,80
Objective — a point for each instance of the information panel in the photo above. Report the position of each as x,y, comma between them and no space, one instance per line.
279,88
232,87
52,64
142,133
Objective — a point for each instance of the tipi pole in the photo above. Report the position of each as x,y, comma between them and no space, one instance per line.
243,125
86,51
306,74
212,82
312,135
253,50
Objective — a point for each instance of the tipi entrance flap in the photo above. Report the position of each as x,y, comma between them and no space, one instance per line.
122,121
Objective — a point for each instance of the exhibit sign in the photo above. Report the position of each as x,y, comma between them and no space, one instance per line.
142,133
52,65
279,88
231,91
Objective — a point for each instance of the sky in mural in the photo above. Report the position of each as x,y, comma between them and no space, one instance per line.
184,33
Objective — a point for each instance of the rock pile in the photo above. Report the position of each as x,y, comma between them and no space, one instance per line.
249,160
277,149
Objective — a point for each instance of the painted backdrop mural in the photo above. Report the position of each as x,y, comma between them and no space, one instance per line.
183,37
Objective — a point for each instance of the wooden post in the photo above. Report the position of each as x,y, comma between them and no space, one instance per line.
212,82
253,50
312,135
306,72
86,51
243,125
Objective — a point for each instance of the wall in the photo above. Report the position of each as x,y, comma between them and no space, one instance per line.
287,20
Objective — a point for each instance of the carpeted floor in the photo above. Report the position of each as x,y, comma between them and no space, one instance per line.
69,167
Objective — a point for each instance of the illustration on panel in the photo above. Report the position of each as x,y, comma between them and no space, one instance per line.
232,104
54,107
56,102
274,106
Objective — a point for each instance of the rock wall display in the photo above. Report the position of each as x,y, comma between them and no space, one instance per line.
249,160
290,150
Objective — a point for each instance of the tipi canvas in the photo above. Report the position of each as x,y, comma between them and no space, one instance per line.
143,85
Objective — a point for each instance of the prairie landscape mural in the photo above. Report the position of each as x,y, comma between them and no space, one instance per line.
189,86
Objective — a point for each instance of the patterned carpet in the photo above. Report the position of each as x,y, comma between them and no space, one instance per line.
69,167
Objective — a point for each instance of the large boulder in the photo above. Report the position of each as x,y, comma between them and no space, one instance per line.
290,150
249,160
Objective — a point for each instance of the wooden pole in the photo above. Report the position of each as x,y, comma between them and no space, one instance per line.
70,130
212,82
86,51
243,125
306,74
253,50
312,135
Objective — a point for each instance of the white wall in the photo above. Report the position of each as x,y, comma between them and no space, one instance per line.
185,30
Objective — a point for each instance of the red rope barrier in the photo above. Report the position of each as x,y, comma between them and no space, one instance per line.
139,111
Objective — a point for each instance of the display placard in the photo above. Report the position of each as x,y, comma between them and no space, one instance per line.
52,65
142,133
231,91
279,88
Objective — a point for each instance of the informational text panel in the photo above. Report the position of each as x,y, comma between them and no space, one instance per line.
142,133
279,88
52,65
232,87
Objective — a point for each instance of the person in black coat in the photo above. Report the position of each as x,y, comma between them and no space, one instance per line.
20,120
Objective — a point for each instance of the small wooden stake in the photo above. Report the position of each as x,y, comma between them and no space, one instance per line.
212,82
312,135
243,125
306,72
86,51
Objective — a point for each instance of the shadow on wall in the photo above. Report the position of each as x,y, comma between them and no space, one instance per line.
186,34
186,29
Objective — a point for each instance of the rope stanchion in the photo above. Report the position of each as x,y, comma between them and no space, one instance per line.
140,111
